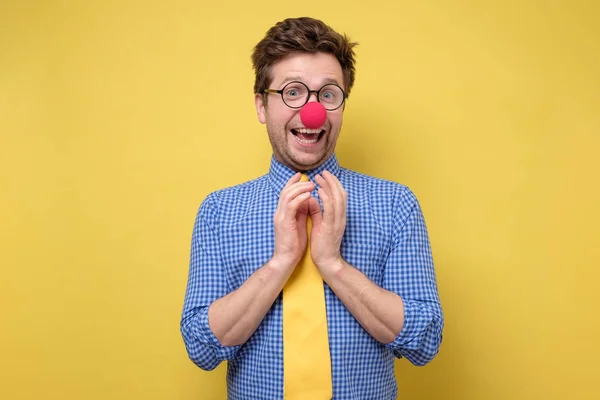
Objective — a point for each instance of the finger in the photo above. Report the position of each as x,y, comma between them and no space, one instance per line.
336,181
334,186
314,210
344,197
293,205
327,206
289,211
303,208
337,197
301,223
294,190
295,178
283,210
323,183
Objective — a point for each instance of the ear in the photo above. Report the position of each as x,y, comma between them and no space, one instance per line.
260,108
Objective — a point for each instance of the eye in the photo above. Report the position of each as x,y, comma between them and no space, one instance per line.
294,91
329,96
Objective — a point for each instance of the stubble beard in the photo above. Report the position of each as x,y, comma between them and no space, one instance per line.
283,152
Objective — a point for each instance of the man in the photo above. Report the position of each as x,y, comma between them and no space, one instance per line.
366,238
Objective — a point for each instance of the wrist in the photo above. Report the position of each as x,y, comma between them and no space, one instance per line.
332,268
279,266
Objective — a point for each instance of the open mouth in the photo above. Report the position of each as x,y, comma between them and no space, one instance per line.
308,136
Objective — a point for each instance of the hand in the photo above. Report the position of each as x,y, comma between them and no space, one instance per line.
328,226
290,222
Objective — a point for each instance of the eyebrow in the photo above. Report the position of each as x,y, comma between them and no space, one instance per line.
297,78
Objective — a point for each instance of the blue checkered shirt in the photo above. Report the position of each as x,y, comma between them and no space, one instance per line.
385,238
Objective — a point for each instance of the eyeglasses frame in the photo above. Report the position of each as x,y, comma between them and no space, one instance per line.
316,92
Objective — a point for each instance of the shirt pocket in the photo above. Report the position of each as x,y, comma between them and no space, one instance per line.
367,258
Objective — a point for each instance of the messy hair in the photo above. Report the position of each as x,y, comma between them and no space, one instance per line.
301,35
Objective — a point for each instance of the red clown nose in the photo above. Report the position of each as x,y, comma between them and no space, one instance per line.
313,115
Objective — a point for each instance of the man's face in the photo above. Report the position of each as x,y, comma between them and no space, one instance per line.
291,146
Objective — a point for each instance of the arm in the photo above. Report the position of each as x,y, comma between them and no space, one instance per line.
380,312
217,321
409,272
215,333
405,313
234,317
206,283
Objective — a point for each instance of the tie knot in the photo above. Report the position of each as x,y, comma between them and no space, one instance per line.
304,178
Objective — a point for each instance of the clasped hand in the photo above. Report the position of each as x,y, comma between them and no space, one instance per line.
295,205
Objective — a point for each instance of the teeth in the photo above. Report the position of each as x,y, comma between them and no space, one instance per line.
306,141
308,131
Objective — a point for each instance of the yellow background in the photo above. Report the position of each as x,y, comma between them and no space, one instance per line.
118,117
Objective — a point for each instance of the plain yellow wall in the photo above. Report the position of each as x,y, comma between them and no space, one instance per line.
118,117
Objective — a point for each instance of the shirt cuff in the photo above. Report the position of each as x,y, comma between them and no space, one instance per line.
206,335
417,320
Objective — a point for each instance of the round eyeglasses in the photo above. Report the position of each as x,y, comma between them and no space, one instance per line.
296,94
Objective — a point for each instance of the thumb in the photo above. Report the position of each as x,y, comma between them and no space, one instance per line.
301,220
301,227
314,210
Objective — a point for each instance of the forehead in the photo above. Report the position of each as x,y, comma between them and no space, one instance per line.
312,69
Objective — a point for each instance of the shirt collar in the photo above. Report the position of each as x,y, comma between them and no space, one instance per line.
279,173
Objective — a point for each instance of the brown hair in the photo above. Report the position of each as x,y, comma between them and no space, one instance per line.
306,35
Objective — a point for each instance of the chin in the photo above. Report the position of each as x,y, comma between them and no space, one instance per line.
307,162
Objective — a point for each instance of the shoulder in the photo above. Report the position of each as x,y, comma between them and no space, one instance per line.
380,189
237,191
231,198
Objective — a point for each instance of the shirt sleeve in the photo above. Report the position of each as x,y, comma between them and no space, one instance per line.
206,283
409,272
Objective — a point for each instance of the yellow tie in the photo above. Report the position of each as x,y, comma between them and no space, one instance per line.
306,359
